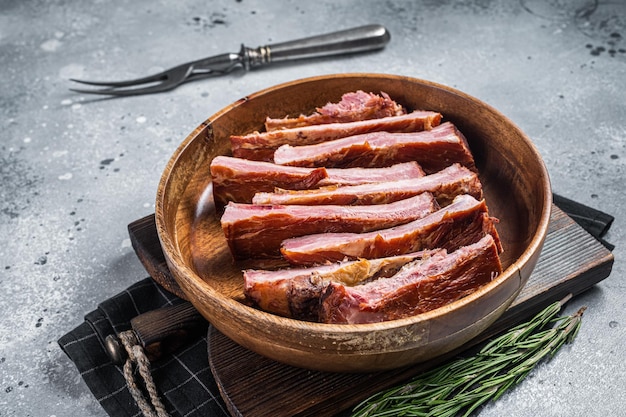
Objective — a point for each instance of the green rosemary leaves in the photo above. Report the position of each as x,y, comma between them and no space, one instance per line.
461,386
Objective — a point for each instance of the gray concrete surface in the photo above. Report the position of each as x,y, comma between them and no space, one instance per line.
75,170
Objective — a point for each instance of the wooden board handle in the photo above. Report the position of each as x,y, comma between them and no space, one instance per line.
167,329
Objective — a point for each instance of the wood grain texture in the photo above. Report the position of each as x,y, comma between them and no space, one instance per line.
571,261
145,242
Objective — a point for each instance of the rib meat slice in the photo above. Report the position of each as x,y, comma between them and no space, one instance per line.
257,231
444,185
420,286
353,106
295,292
433,149
261,146
237,179
463,222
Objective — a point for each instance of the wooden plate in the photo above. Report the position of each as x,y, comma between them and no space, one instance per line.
517,191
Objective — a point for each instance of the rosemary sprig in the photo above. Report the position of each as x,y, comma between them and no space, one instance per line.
463,385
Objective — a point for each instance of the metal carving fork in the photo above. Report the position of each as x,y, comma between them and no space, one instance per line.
360,39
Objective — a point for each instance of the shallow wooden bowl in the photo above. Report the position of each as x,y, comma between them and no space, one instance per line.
516,187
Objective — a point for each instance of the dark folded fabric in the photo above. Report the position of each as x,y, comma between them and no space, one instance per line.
595,222
184,378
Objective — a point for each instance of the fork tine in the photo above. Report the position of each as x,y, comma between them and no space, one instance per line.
114,91
166,80
161,76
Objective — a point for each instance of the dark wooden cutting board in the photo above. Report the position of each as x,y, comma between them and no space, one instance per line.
571,262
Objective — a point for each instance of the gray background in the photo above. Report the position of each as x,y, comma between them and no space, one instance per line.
75,171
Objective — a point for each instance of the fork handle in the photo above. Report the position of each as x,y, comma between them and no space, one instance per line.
360,39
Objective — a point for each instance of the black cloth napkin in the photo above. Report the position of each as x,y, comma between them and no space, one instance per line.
184,378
